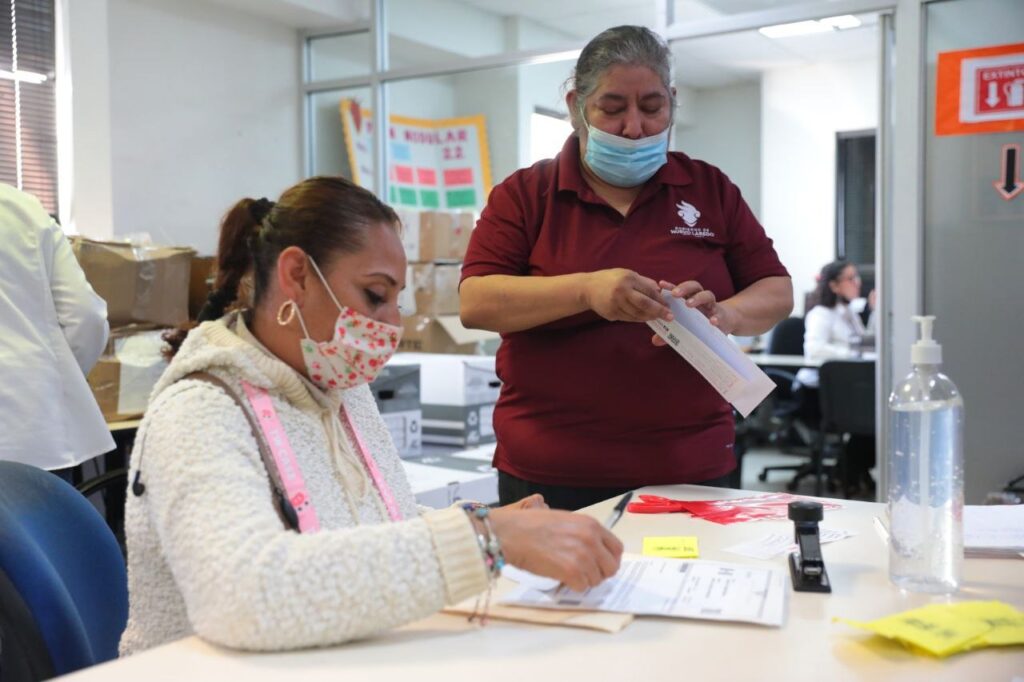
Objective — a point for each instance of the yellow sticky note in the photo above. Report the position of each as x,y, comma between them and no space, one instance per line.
1006,622
945,629
671,547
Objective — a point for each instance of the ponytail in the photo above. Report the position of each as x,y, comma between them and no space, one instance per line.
239,230
323,216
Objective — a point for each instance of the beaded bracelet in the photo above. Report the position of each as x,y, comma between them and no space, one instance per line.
490,548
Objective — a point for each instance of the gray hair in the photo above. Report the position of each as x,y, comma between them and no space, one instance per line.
622,45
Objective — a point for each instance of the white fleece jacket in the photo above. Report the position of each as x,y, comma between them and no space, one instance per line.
208,553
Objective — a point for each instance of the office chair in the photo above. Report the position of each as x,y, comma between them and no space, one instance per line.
847,392
107,493
63,585
789,405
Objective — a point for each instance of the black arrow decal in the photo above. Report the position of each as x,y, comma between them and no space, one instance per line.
1009,185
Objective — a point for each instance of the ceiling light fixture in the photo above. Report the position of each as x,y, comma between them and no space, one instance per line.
802,28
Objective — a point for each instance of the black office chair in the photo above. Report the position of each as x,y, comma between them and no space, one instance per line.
847,392
789,431
107,493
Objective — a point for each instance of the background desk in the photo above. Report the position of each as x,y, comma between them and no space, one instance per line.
769,360
808,647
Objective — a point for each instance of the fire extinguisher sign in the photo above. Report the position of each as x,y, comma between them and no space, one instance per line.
980,90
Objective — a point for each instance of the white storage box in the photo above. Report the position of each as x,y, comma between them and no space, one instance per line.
457,393
439,480
397,392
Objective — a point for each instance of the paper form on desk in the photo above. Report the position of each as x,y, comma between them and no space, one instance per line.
994,530
652,586
718,359
774,544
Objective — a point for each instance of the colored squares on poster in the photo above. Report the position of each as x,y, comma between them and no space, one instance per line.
401,152
407,196
393,195
430,198
426,176
458,176
461,198
404,174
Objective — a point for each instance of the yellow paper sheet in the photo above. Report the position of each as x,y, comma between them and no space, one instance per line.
671,547
945,629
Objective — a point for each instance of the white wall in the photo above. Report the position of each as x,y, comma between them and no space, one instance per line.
802,109
204,109
723,127
83,112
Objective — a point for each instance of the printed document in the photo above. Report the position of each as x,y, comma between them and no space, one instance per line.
774,544
714,355
672,587
994,530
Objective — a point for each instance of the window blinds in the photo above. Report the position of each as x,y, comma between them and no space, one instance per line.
28,130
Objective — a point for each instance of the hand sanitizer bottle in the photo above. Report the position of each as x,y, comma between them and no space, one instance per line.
926,479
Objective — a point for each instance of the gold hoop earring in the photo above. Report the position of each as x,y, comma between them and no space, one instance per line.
286,313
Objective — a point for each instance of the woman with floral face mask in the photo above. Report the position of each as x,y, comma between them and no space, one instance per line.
570,255
269,509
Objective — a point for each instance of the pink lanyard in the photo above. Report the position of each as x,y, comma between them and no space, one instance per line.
288,466
371,464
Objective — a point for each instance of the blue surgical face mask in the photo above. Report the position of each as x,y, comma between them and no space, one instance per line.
623,162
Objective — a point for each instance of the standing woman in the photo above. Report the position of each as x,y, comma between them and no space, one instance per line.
269,509
567,262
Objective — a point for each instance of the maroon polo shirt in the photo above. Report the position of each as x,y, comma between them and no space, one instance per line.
587,402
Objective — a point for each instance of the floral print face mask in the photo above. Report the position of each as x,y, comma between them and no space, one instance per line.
360,348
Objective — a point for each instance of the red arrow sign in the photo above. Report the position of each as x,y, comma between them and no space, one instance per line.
1010,184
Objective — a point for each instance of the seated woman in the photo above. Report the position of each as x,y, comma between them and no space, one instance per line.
269,509
834,330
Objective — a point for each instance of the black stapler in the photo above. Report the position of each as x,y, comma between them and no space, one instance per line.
807,566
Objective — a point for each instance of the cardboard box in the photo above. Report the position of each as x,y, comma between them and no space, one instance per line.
141,284
125,374
439,480
442,334
457,393
435,287
200,283
397,392
436,235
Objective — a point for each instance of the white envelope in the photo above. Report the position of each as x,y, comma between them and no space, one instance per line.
714,355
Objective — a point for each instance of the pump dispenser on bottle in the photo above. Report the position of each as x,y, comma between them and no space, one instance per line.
925,453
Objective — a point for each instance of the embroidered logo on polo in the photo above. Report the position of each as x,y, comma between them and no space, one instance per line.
690,215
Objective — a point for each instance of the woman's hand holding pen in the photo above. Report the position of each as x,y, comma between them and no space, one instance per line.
572,548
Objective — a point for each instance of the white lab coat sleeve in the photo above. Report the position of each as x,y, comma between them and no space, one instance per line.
81,313
819,342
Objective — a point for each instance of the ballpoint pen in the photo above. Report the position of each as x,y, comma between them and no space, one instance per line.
616,514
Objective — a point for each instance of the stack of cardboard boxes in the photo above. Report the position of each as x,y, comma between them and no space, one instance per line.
146,288
435,243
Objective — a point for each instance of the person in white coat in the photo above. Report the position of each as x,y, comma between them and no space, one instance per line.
319,540
53,328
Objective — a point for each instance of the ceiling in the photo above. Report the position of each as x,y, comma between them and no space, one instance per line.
732,58
716,61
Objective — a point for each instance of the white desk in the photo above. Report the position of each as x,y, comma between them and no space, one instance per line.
808,647
768,360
